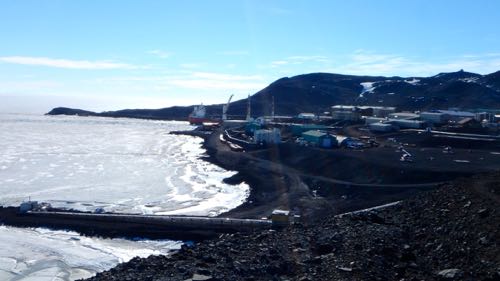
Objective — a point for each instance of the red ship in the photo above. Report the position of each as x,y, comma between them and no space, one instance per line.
198,116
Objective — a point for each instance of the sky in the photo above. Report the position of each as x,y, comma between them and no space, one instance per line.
109,55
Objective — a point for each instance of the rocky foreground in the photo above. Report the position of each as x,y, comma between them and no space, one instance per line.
451,233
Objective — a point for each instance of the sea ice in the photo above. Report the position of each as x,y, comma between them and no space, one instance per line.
121,165
42,254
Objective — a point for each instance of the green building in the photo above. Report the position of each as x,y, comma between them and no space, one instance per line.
298,129
320,139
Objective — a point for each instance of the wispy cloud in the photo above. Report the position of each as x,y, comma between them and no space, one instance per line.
302,59
278,63
16,87
159,53
66,63
190,65
370,63
363,62
191,80
217,81
223,76
299,60
234,53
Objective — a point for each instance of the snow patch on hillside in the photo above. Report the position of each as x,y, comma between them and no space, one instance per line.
412,81
368,87
469,79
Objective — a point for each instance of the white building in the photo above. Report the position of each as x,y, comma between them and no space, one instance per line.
371,120
407,124
381,127
457,115
346,112
346,115
267,136
382,111
388,124
482,116
344,108
403,115
306,116
434,117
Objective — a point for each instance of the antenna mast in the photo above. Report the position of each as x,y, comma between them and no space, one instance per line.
272,108
248,109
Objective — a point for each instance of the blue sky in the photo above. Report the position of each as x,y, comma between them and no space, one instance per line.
107,55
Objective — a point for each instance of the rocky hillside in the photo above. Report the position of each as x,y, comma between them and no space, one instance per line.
447,234
316,92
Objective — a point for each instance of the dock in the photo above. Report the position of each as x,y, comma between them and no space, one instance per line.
135,225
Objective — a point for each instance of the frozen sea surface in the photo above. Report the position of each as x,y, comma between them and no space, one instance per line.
41,254
121,165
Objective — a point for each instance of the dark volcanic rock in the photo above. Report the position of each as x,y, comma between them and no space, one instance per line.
171,113
431,236
71,111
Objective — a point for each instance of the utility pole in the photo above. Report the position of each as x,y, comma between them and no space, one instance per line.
249,116
272,108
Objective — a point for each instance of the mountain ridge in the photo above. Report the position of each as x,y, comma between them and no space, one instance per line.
316,92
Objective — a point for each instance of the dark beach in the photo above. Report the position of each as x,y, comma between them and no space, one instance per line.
441,230
319,182
450,233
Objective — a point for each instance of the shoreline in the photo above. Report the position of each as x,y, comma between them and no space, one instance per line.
274,185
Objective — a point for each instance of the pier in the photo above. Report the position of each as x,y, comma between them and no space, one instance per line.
135,225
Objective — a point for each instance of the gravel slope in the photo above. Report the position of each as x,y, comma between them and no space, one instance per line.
450,233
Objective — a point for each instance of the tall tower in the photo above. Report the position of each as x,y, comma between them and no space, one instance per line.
272,108
249,115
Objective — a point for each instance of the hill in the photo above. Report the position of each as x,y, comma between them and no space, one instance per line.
316,92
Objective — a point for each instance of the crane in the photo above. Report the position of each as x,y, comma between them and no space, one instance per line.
225,108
